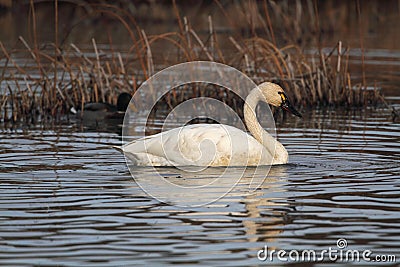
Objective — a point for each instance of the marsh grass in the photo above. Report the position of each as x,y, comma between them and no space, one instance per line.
59,77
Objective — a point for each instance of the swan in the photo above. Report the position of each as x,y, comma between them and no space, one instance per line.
216,144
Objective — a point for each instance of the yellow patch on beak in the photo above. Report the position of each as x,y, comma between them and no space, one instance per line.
283,97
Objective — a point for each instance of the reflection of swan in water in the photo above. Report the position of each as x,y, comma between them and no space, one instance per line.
192,188
217,145
262,212
266,208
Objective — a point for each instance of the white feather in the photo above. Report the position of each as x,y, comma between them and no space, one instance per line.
214,144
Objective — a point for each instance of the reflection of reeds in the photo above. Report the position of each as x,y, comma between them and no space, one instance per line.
65,77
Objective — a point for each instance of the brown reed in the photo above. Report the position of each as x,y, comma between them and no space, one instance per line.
68,77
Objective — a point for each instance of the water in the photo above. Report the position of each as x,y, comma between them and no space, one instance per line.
67,198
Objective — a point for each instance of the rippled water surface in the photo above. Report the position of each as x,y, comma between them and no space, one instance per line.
67,198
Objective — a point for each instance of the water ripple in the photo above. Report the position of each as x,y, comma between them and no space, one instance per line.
67,198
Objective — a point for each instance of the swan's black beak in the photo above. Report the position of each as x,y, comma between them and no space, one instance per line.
286,105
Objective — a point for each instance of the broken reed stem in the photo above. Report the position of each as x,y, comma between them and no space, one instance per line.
188,40
268,18
98,86
361,36
150,65
177,15
339,52
27,47
121,63
238,47
211,32
209,56
338,76
33,13
56,43
9,59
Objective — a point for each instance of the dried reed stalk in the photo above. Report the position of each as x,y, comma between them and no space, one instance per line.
78,78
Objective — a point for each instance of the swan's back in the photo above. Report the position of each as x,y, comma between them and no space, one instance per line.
199,145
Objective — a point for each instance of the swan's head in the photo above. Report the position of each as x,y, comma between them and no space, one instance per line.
274,95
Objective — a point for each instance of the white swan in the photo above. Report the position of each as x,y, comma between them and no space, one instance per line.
216,144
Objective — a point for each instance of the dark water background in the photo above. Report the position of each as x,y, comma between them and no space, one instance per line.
67,197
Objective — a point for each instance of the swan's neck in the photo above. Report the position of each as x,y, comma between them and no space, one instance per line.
268,141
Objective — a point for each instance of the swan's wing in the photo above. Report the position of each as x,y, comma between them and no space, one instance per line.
201,145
